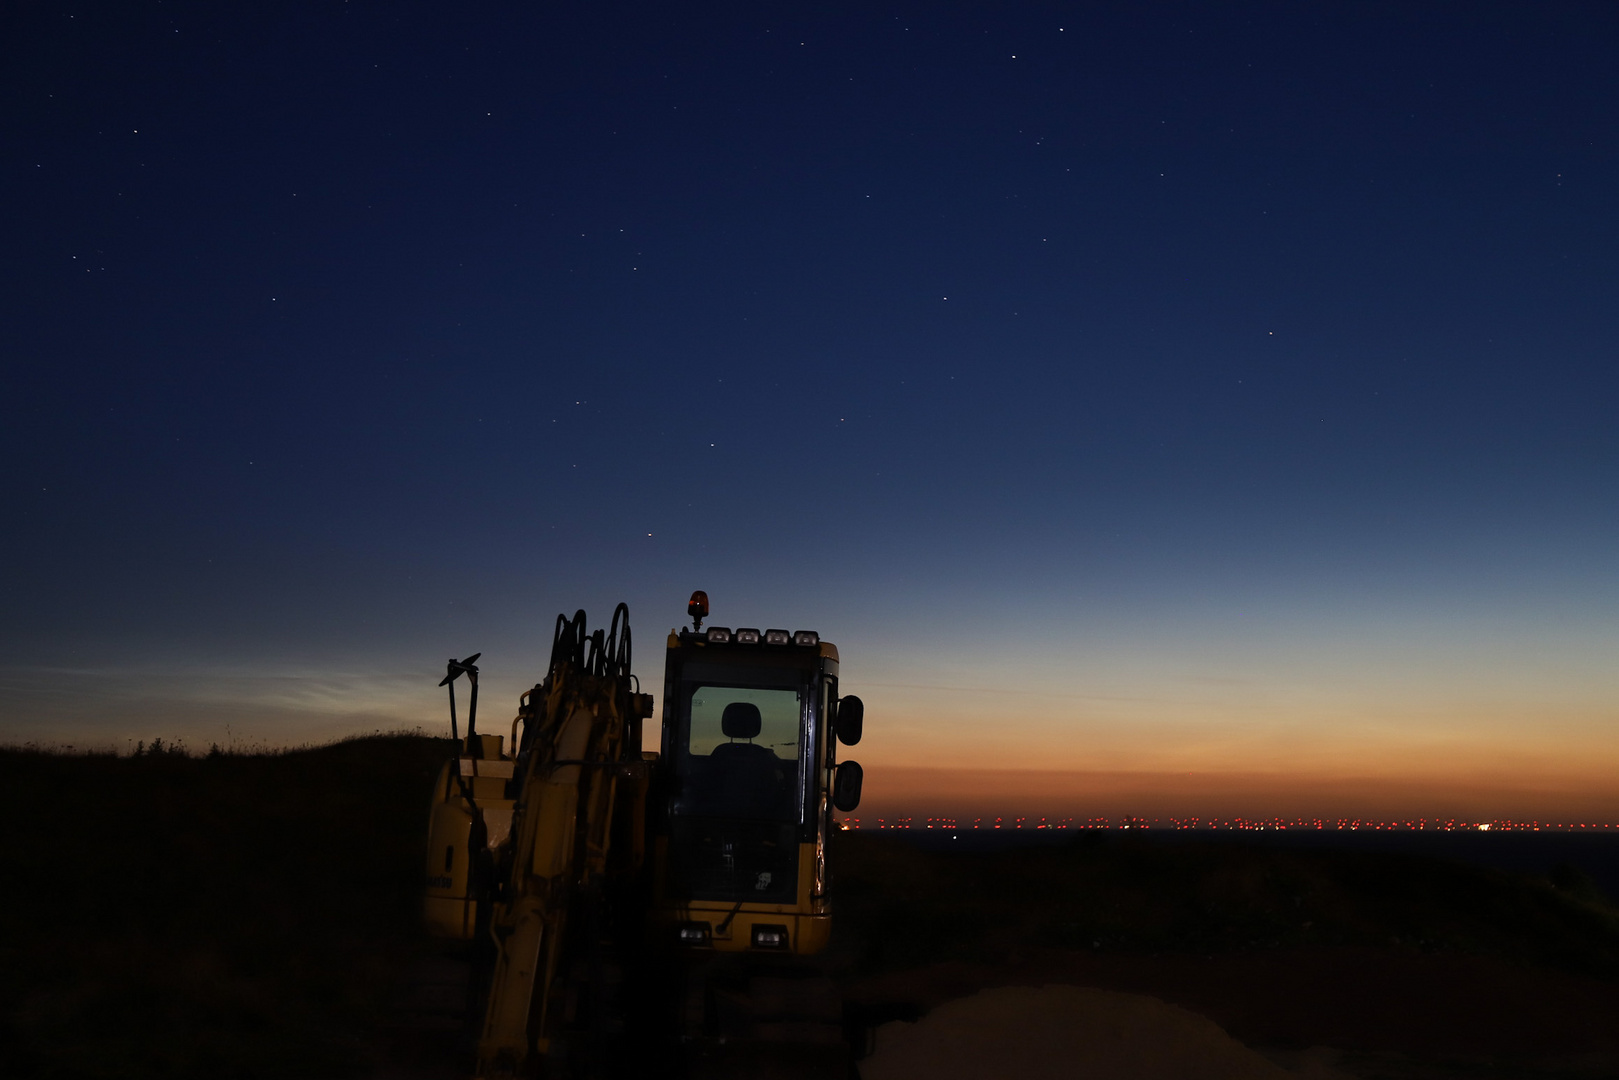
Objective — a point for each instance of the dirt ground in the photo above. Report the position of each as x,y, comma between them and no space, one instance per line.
1364,1012
1359,964
1055,1032
253,916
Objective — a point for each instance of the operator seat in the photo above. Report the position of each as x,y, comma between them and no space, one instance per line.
741,720
751,781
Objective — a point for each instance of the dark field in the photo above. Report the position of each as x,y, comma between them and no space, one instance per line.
232,916
255,916
1383,964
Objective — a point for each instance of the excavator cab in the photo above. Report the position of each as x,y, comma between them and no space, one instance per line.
750,778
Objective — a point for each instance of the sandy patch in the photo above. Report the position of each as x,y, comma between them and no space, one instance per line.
1035,1033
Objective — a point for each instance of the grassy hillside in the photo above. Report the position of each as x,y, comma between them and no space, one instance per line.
232,915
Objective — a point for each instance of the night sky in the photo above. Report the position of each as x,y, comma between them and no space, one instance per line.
1211,394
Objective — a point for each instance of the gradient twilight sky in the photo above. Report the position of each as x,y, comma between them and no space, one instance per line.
1219,394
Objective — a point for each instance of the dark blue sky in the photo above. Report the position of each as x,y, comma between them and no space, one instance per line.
340,337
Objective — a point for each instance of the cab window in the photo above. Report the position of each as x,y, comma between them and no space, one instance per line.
725,716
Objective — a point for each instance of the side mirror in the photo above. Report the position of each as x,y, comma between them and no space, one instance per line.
851,720
846,786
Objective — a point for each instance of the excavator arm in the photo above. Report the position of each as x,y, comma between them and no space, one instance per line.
580,780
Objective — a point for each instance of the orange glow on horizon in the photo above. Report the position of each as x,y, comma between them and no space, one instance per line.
992,794
906,823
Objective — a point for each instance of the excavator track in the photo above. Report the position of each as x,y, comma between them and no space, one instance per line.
741,1018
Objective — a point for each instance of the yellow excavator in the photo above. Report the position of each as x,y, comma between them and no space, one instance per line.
637,912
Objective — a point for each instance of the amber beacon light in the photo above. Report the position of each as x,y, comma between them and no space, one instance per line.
698,609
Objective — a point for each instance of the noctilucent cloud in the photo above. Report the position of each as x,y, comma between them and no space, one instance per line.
1144,391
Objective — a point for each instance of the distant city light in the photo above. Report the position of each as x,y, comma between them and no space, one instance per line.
1234,824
